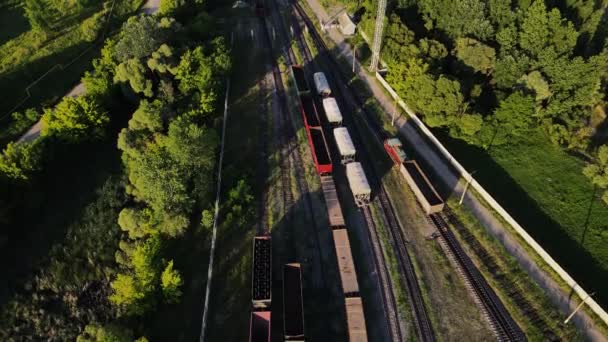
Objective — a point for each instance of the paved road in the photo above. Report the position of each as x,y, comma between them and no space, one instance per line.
487,218
150,7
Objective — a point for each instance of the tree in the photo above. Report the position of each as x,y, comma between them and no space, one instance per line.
171,282
459,18
541,30
598,172
149,116
162,60
140,36
91,26
134,72
512,119
19,160
105,333
207,218
75,119
170,6
537,83
35,12
475,54
201,70
135,222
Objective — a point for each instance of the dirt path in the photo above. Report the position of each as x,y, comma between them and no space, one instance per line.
491,223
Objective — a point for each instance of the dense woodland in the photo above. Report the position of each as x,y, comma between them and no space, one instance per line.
113,267
491,72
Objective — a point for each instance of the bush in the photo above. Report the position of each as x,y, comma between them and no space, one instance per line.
91,26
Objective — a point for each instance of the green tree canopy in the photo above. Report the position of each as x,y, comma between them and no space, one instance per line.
105,333
598,172
139,37
134,72
171,283
75,119
475,54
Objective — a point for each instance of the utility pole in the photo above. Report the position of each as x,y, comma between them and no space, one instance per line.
354,53
577,308
394,113
466,187
378,35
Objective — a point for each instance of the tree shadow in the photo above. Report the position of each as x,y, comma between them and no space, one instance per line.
12,21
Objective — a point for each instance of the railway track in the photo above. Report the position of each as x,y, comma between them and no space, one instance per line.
502,324
384,280
290,155
397,240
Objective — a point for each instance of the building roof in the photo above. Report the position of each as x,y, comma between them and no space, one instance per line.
357,179
344,142
346,24
332,111
348,276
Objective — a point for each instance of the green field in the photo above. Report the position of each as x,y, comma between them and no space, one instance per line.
543,188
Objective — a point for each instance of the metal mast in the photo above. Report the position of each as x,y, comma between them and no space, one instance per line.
378,34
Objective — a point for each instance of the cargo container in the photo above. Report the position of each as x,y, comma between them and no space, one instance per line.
348,274
259,326
321,84
309,112
300,77
358,183
320,153
394,148
332,111
346,148
424,191
261,274
293,304
355,319
334,211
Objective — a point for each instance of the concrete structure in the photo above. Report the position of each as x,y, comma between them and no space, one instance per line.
347,27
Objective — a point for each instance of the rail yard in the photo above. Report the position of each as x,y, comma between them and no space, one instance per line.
327,106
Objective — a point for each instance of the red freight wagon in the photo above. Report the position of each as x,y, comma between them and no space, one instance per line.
320,152
259,326
309,112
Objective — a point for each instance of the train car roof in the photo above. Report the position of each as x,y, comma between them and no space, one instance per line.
332,111
348,275
320,81
344,142
357,331
357,179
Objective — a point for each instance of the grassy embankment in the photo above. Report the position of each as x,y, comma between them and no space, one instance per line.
27,54
544,189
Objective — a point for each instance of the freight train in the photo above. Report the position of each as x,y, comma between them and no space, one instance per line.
261,290
353,305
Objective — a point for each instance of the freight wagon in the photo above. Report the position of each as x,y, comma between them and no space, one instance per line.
358,184
259,326
320,152
348,275
334,211
301,83
425,193
293,304
309,112
394,148
345,145
261,282
357,331
321,84
332,111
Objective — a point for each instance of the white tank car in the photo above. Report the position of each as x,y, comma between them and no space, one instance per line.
345,145
332,111
321,84
358,183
